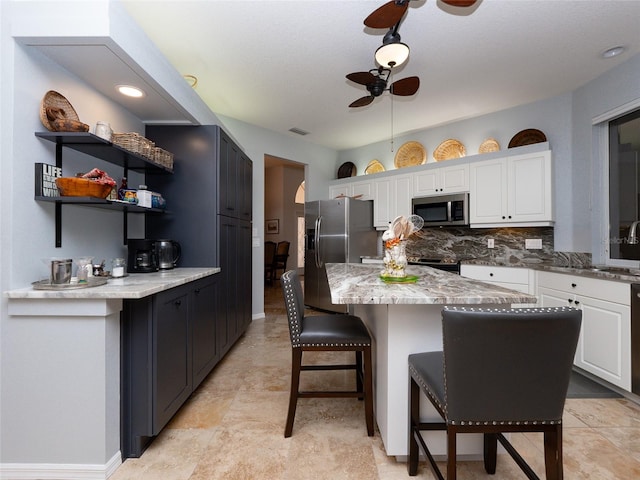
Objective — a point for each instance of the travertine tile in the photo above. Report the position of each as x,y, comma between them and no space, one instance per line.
232,427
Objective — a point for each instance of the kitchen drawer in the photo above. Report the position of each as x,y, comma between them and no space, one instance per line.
486,273
609,290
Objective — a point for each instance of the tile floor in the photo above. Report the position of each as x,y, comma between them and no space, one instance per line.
232,428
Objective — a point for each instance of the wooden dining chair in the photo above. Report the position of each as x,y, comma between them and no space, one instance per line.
281,256
326,333
269,261
500,370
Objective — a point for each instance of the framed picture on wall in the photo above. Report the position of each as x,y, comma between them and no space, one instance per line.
273,226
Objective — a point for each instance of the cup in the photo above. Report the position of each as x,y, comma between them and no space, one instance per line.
60,271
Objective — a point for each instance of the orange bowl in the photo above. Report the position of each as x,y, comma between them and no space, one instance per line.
82,187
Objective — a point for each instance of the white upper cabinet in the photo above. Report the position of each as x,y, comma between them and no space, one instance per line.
443,180
363,190
392,197
514,191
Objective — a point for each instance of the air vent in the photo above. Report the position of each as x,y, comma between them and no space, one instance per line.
298,131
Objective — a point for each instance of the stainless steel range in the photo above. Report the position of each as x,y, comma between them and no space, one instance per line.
439,263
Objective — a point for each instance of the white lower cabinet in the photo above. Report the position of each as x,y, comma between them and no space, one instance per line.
604,348
515,278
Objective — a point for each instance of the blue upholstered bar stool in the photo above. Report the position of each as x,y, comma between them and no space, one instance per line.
326,333
500,370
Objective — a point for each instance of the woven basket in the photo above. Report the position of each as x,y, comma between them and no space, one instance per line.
449,149
82,187
410,154
527,137
374,166
53,106
134,142
162,157
489,145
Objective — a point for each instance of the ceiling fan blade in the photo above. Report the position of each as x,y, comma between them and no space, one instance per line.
387,15
363,78
459,3
361,102
405,87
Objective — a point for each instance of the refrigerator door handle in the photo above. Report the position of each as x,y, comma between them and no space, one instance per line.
319,262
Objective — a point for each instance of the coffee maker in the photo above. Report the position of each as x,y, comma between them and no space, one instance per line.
143,257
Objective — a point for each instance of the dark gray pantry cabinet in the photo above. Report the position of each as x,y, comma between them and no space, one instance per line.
172,340
209,197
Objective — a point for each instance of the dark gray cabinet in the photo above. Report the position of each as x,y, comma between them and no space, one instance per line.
168,347
209,198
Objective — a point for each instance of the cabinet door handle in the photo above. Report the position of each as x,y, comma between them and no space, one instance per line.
570,301
177,303
576,302
491,274
196,291
573,285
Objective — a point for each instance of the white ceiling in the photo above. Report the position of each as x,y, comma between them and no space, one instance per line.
282,64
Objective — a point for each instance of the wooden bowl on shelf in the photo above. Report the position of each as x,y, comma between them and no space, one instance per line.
82,187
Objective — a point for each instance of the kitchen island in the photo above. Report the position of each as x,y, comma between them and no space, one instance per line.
72,383
405,319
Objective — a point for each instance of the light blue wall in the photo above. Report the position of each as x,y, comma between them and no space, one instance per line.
611,91
567,122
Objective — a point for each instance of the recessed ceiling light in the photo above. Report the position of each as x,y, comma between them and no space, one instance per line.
130,91
613,52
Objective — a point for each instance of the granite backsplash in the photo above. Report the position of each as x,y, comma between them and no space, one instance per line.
464,243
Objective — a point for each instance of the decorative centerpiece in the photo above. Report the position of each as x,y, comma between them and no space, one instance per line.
395,239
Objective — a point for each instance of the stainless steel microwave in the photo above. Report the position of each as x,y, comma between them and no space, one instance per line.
442,210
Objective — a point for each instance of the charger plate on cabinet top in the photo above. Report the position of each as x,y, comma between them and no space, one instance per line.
527,137
410,154
449,149
489,145
374,166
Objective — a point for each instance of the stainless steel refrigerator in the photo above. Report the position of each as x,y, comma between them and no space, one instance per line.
337,231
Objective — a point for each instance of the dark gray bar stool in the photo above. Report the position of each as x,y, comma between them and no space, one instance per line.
500,370
327,333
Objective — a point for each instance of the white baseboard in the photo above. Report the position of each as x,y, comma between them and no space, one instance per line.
58,471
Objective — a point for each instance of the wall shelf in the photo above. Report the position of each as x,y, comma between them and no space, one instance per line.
102,149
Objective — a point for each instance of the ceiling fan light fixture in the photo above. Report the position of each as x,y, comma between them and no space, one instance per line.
392,55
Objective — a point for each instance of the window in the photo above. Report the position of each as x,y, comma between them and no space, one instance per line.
624,186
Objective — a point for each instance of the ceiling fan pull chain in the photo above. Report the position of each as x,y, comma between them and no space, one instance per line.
391,123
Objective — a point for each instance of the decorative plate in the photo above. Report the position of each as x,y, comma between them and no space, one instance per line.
489,145
374,167
410,154
407,279
346,170
449,149
527,137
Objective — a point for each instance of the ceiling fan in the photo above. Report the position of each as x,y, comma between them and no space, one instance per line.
392,12
376,80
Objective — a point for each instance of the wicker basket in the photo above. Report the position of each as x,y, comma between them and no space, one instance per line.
449,149
162,157
134,142
55,106
82,187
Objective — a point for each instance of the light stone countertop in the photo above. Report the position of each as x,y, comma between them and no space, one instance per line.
133,286
357,283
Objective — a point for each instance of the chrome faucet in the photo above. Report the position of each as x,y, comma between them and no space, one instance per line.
633,239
